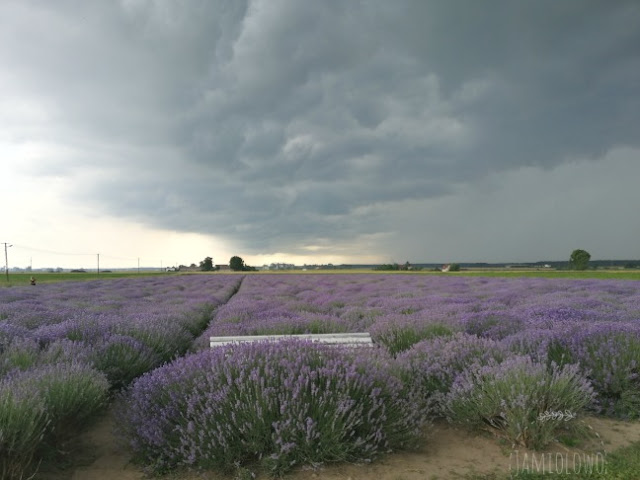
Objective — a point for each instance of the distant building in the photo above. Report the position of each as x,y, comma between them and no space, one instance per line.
282,266
223,267
191,268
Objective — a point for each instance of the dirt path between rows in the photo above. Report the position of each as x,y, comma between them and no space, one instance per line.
447,453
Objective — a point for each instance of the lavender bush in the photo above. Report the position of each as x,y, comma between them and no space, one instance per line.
609,354
512,396
282,404
21,353
166,338
433,365
23,422
9,332
71,393
26,353
122,358
196,321
66,351
399,334
79,328
492,324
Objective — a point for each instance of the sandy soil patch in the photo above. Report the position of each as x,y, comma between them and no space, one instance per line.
447,453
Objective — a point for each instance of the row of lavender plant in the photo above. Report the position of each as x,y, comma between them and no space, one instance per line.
400,310
64,347
294,403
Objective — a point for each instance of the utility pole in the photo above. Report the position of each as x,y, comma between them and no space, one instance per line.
138,264
6,259
98,264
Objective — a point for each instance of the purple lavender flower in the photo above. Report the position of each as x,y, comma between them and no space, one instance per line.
492,324
9,332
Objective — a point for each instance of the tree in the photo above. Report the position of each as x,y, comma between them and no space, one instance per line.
387,266
236,264
206,265
579,259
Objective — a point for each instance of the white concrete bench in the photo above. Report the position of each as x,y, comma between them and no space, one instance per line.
347,339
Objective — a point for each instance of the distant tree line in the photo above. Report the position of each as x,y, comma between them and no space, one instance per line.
396,266
235,263
579,260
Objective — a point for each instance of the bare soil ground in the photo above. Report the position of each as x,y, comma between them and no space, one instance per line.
448,453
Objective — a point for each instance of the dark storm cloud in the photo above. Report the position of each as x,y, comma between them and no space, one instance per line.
274,123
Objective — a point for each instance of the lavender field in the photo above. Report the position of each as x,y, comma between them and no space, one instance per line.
502,354
65,348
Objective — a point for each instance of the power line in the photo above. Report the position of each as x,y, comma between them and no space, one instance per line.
118,258
55,252
133,260
52,252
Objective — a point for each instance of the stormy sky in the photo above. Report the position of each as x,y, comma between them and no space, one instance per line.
318,131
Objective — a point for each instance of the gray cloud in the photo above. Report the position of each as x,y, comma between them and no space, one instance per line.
277,123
